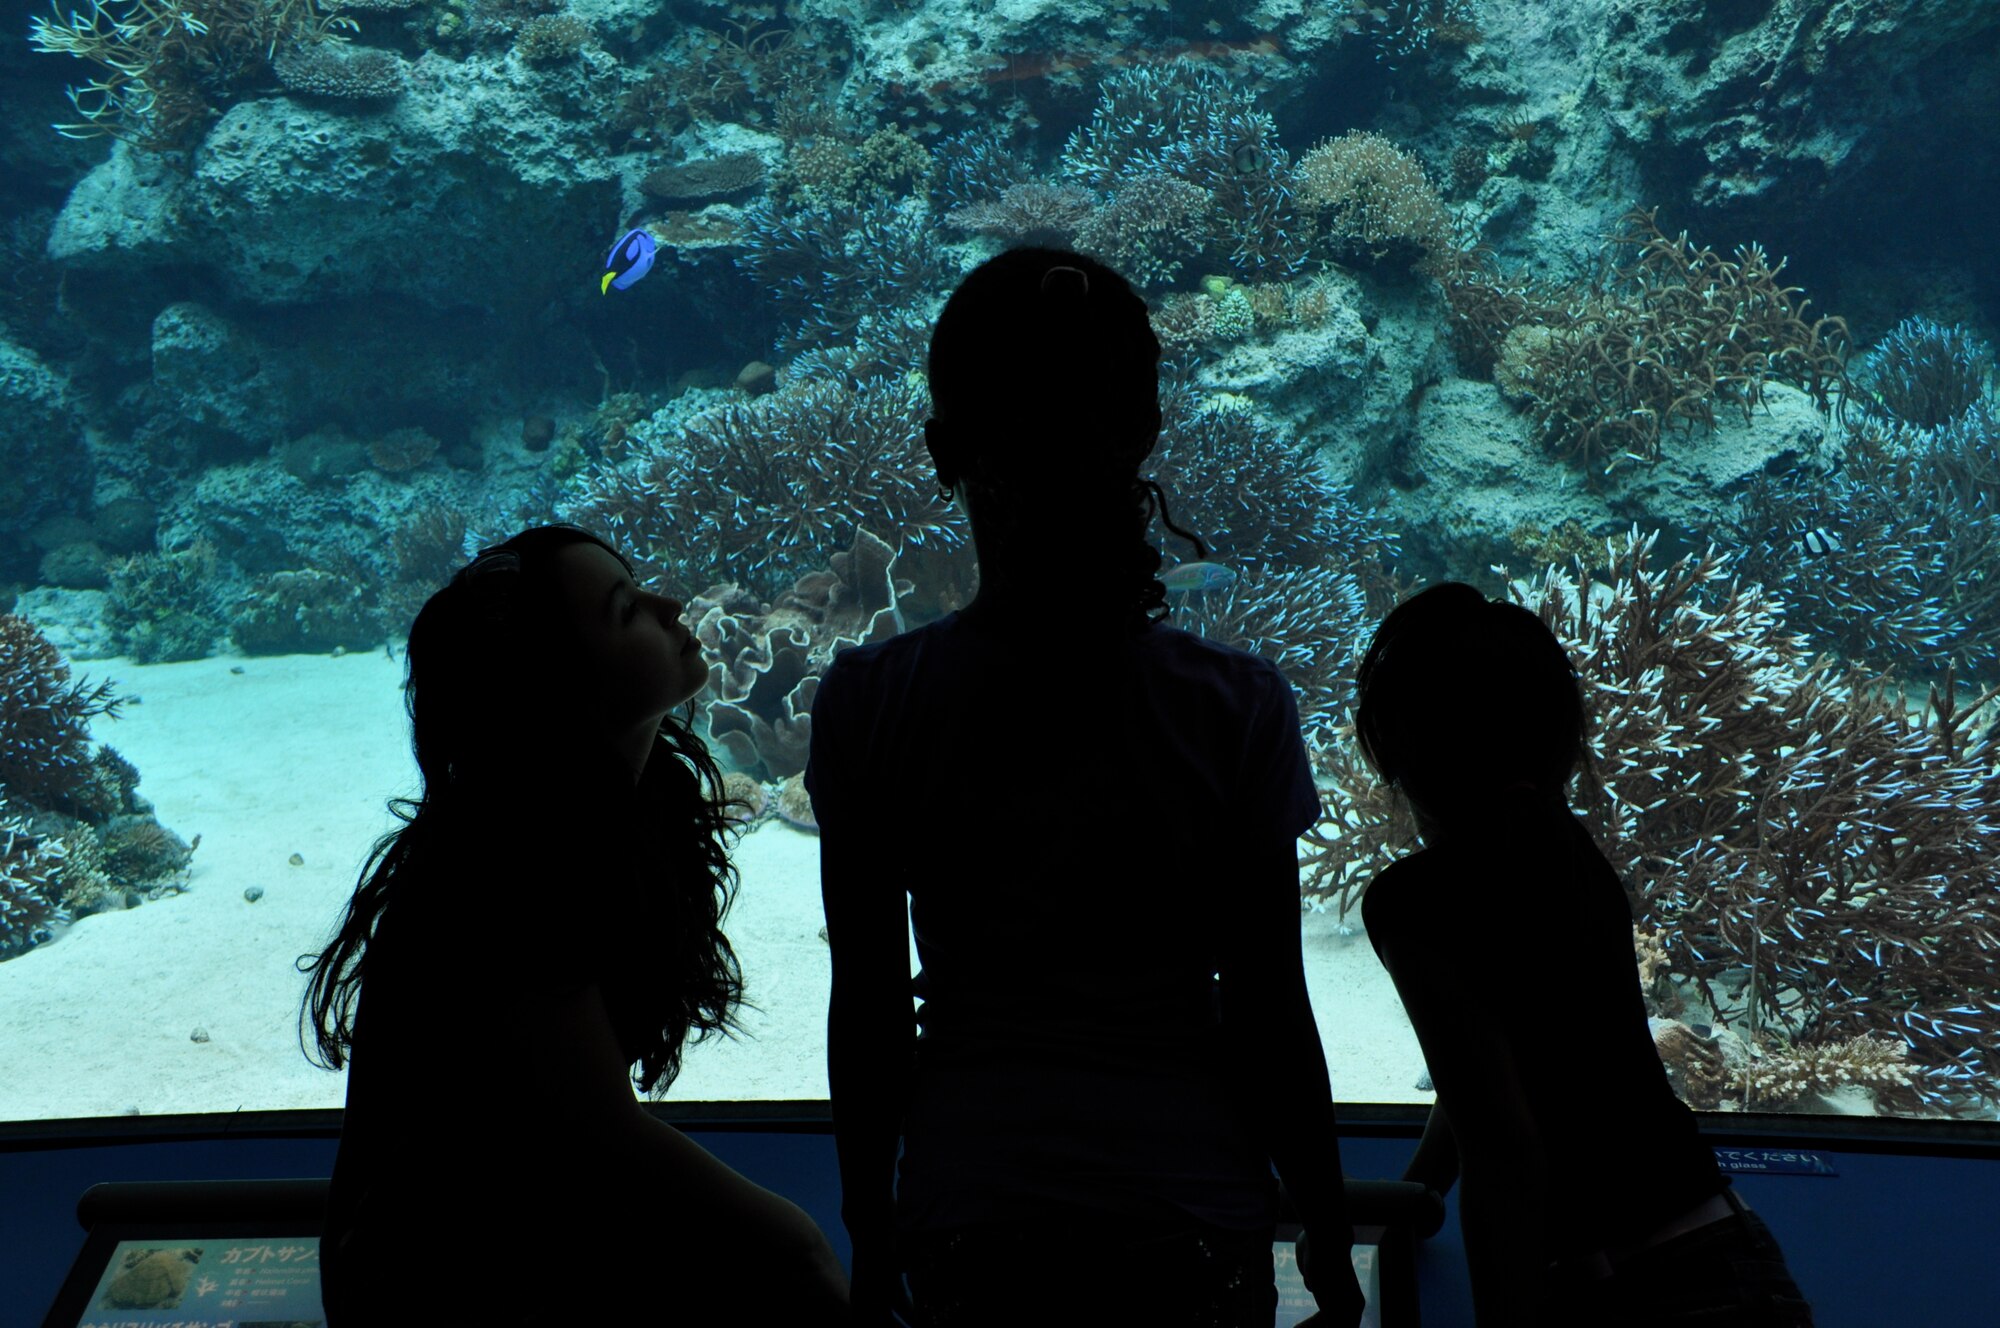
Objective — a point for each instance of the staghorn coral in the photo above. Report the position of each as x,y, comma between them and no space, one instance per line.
1374,201
1745,796
1655,343
760,492
1313,623
1916,583
766,659
44,720
828,263
1924,374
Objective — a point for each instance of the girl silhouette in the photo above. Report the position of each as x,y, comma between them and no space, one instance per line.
546,917
1091,817
1589,1196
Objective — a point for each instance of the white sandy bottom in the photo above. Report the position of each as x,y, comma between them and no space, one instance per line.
299,754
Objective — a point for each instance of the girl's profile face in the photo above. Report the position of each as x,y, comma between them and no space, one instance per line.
637,659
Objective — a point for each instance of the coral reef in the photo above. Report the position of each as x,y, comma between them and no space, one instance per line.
1915,584
794,807
31,871
1186,121
1651,345
1924,374
766,659
762,491
550,39
340,71
44,720
164,61
828,262
1746,796
74,835
1375,202
305,611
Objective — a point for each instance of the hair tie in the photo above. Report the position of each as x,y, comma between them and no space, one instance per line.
1081,276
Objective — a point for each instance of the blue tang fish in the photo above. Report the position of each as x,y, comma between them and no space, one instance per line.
1197,576
630,259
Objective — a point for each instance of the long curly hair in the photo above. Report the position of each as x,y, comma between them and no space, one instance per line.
1044,364
1458,694
480,653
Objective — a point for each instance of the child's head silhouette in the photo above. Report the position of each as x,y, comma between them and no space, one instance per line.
544,648
1044,381
1462,699
541,685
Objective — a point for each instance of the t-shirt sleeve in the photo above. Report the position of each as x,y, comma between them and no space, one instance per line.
830,718
1278,799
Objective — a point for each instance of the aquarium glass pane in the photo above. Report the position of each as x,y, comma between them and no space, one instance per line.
1673,324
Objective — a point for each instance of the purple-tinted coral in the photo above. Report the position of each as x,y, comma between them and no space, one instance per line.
1187,121
829,262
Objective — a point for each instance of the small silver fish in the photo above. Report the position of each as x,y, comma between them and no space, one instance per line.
1197,576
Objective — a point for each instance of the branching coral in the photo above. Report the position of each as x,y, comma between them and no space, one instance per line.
766,659
31,871
1148,229
1402,29
1374,201
1916,581
1815,859
44,719
829,263
762,492
1028,212
976,166
1184,120
1256,498
1925,374
168,63
1311,622
1655,343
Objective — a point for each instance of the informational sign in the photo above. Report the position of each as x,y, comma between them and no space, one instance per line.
209,1284
1774,1161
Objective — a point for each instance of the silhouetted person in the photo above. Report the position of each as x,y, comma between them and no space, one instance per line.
1091,818
547,917
1589,1196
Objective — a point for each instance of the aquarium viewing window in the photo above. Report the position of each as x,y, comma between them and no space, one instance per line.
1671,322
